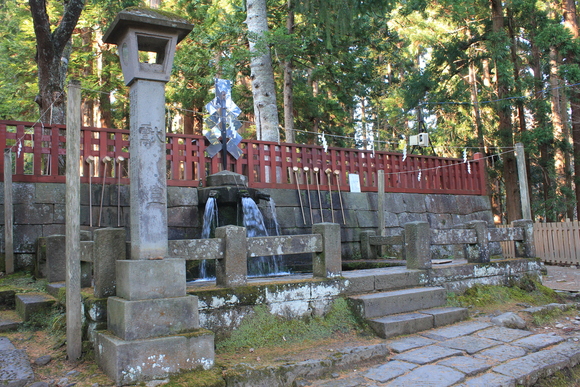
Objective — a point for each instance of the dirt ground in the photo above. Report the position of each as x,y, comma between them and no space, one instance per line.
565,278
63,373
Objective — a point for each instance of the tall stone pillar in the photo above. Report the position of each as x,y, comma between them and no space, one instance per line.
147,170
152,324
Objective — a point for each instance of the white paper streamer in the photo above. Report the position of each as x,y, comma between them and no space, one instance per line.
405,153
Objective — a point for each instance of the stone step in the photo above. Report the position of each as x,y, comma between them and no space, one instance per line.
53,288
7,299
398,301
9,321
408,323
362,281
29,304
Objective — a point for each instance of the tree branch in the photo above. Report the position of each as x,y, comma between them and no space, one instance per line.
41,27
69,20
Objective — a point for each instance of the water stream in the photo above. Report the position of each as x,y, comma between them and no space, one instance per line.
255,227
210,222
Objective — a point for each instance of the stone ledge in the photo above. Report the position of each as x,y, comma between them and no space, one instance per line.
130,362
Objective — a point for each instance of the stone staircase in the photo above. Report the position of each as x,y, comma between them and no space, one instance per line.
403,307
18,308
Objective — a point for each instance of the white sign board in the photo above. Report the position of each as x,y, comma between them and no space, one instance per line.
354,182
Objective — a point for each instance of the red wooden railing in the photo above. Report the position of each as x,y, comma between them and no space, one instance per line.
38,156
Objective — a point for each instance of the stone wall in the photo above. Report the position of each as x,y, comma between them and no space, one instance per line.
39,210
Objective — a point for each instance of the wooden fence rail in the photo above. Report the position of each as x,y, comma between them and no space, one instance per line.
556,242
38,152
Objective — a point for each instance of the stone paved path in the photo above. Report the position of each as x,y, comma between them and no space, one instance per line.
472,353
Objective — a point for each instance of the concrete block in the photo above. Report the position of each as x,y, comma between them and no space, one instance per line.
399,301
118,194
232,270
143,319
150,279
440,204
54,288
22,193
29,304
55,258
183,216
401,324
356,201
130,362
367,219
181,196
109,247
50,193
446,316
25,236
394,203
328,263
414,203
417,249
391,219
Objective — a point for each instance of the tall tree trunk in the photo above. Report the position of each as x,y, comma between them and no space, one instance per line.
288,83
503,109
52,55
262,73
472,80
546,142
571,23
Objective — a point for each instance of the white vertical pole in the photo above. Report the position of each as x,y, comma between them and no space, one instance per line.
523,179
73,207
8,213
381,205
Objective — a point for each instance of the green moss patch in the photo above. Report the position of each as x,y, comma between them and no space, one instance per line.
263,329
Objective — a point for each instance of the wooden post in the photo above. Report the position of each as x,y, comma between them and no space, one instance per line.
73,229
8,214
381,207
523,179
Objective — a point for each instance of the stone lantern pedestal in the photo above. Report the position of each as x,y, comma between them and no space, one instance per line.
153,325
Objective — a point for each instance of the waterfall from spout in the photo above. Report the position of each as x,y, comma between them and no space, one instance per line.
275,227
254,224
210,220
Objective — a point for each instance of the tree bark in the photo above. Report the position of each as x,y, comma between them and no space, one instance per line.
571,23
288,83
262,73
52,54
505,131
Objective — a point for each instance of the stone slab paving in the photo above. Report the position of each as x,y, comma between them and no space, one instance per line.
468,365
501,353
503,334
428,354
537,342
456,330
468,354
15,369
429,375
469,344
407,343
490,379
390,370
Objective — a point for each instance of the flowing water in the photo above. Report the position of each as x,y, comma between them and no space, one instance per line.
255,227
210,221
253,221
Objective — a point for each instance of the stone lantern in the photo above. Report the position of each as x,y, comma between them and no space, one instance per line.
146,39
152,324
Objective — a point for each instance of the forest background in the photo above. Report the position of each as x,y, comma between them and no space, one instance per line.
477,76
